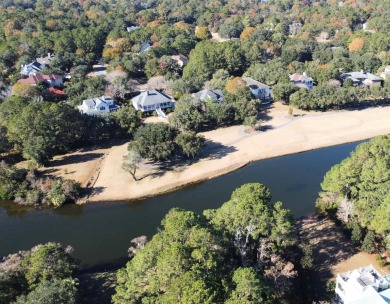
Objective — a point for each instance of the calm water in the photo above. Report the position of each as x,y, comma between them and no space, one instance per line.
101,233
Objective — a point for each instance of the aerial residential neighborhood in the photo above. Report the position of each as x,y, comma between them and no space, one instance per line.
198,151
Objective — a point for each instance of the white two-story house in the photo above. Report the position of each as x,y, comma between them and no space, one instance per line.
259,90
302,81
98,106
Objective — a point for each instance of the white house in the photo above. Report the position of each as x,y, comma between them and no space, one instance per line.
98,106
217,95
259,90
151,100
362,78
132,28
180,59
36,66
302,80
364,285
386,73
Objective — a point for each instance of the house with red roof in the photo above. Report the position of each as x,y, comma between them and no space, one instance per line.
51,80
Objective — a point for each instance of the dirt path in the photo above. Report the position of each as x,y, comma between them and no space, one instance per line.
332,251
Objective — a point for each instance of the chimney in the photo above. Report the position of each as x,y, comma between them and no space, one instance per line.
48,55
362,71
304,74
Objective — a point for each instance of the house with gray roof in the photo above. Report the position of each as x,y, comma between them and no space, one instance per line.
98,106
151,100
205,94
36,66
259,90
302,80
362,78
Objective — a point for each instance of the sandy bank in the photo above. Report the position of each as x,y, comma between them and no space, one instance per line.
230,148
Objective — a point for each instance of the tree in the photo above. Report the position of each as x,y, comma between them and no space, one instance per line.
248,287
358,188
196,258
202,33
235,84
48,262
131,162
155,141
283,91
187,116
247,32
127,119
5,145
25,90
368,244
190,143
51,292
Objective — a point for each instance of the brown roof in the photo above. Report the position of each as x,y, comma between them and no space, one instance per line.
300,77
37,78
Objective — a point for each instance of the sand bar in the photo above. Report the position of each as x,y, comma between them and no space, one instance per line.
230,148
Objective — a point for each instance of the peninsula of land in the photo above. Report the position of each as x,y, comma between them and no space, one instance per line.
227,149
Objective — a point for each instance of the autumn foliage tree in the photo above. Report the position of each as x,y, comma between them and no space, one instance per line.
235,84
356,44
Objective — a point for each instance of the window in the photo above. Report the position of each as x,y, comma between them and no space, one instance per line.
102,108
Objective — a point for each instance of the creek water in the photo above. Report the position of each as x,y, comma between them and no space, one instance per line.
100,233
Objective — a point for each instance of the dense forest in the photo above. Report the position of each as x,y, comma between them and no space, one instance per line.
356,192
266,40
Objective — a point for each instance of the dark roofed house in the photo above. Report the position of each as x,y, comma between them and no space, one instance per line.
259,90
151,100
362,78
302,81
217,95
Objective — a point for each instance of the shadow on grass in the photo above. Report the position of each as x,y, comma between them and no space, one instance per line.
75,159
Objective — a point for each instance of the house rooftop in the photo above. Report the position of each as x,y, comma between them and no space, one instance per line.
150,97
251,82
360,75
206,93
179,57
300,77
38,78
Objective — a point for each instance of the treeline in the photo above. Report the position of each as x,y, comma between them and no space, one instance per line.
329,96
356,192
195,115
246,251
27,187
43,274
42,129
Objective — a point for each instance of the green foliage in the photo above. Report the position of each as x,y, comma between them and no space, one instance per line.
47,262
155,141
27,188
248,287
283,91
368,244
195,258
127,119
51,292
187,116
363,179
190,143
40,275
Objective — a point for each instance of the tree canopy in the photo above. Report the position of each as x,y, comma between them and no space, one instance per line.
225,255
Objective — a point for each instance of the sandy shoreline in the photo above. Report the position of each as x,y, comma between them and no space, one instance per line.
231,148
